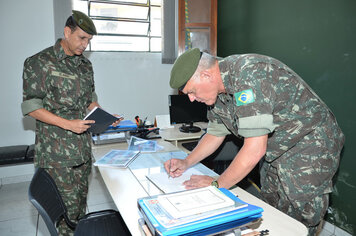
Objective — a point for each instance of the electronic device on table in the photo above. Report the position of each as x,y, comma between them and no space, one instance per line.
183,111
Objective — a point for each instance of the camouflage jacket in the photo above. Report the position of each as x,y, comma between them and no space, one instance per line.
63,85
264,96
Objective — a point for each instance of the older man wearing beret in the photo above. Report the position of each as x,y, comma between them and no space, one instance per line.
58,88
285,126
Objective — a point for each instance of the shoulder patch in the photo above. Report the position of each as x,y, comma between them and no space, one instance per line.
244,97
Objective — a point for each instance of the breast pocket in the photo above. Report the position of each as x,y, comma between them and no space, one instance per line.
64,89
86,88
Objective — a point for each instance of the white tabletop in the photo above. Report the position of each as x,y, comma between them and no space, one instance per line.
127,185
174,135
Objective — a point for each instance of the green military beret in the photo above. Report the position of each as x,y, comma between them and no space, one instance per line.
184,67
84,22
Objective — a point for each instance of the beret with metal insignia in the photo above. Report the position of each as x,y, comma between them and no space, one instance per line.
84,22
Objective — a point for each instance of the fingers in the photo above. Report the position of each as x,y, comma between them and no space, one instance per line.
198,181
80,126
85,122
117,121
174,167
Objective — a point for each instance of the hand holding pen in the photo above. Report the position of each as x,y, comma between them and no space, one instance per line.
175,167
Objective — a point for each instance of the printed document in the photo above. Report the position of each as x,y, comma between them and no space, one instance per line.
193,202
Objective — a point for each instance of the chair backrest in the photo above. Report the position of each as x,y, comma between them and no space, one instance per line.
44,195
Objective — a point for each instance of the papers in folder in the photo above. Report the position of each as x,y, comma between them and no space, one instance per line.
117,158
196,202
203,221
142,145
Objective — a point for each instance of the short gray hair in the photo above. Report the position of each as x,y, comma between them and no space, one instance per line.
206,62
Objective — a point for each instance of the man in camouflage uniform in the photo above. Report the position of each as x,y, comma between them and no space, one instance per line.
58,88
282,121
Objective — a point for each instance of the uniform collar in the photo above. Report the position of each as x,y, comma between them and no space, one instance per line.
225,74
61,55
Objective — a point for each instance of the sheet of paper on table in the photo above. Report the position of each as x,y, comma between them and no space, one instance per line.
168,184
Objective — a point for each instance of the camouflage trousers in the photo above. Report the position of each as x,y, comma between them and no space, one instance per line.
310,212
72,183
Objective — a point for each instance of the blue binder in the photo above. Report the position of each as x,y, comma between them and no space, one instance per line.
124,125
204,226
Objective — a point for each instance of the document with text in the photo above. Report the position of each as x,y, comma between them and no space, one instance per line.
193,202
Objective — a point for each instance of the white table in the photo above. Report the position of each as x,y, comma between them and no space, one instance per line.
174,135
127,185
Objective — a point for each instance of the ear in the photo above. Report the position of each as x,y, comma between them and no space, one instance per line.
206,75
67,32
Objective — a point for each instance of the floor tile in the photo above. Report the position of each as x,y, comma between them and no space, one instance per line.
341,232
329,227
42,228
25,226
14,201
324,232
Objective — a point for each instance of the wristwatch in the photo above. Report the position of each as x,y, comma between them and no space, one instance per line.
215,183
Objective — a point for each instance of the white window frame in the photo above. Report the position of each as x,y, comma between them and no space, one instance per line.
140,37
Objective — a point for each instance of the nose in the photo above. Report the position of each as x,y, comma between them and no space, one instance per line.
191,97
85,43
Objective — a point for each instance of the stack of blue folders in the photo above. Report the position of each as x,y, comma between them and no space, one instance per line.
124,125
161,223
115,134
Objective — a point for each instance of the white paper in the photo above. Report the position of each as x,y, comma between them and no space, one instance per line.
168,184
163,121
195,201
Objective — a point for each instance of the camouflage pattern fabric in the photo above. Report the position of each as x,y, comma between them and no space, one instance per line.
72,183
63,85
264,96
308,211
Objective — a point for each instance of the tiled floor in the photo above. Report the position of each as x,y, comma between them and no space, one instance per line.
19,218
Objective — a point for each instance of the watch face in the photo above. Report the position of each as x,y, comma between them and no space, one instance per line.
215,184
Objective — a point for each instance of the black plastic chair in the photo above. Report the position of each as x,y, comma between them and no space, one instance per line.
44,195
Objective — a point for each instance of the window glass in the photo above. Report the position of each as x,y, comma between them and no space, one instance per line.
156,2
129,1
156,44
121,27
119,43
118,11
125,25
156,21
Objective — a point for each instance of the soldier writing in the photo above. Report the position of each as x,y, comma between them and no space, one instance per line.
285,126
58,88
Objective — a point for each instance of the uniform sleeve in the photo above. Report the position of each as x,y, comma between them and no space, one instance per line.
217,129
33,87
255,126
215,126
94,97
254,100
